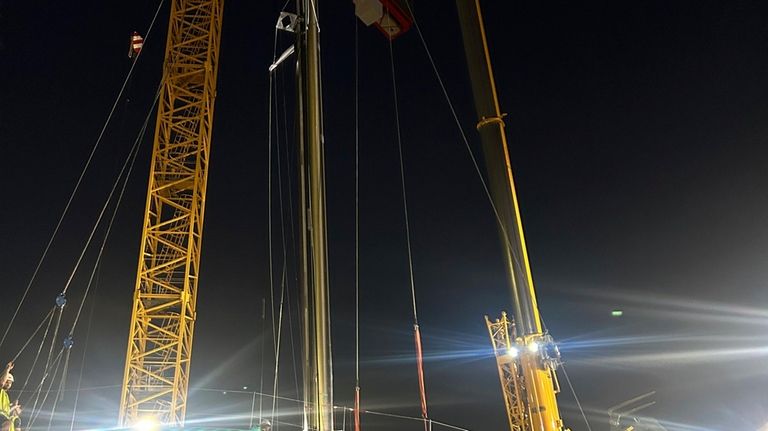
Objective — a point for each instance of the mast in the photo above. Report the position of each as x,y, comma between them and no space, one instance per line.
318,377
528,358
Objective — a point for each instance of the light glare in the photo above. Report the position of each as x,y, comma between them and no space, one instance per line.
146,424
512,351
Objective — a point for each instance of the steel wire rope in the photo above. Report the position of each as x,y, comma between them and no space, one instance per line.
298,401
126,169
290,335
279,336
417,333
129,164
55,334
39,349
290,208
465,140
275,330
31,337
88,388
281,83
357,230
35,412
575,397
85,352
273,102
80,179
269,200
402,183
62,382
294,252
413,418
38,388
284,296
261,369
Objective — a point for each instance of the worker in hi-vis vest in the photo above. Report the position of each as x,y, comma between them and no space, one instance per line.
9,414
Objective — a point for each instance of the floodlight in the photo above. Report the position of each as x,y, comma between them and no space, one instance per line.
147,424
533,347
512,351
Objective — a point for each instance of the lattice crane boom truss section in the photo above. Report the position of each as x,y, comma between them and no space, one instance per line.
157,365
502,333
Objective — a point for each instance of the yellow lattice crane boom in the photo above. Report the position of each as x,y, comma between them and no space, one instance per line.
157,361
525,354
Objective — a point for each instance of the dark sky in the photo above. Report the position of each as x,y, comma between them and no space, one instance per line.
638,140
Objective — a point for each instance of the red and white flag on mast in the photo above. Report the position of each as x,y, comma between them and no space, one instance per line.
137,42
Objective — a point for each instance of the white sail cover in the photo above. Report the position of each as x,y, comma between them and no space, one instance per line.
369,11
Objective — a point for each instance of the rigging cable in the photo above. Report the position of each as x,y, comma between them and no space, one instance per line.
61,387
281,85
261,369
79,180
416,331
460,128
126,169
575,397
35,412
31,337
357,232
39,349
275,330
269,202
85,351
61,299
284,287
55,331
336,407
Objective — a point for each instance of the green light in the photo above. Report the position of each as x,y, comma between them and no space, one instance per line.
617,313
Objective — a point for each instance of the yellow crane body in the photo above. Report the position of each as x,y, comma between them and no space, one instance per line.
526,355
157,364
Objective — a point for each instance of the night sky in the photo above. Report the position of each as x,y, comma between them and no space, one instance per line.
638,140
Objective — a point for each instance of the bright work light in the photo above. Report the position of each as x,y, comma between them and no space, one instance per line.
147,424
512,351
533,347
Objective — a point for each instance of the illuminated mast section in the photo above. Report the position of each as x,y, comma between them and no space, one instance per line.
525,354
316,320
157,362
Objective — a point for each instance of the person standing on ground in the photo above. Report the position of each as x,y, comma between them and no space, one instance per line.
9,413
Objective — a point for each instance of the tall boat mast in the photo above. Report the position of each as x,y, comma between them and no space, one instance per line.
527,358
318,377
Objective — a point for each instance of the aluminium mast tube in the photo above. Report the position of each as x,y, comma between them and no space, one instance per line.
318,376
538,373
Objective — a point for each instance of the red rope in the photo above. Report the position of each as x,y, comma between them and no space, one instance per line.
420,366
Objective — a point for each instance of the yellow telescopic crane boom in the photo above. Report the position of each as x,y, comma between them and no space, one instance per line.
157,362
525,354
